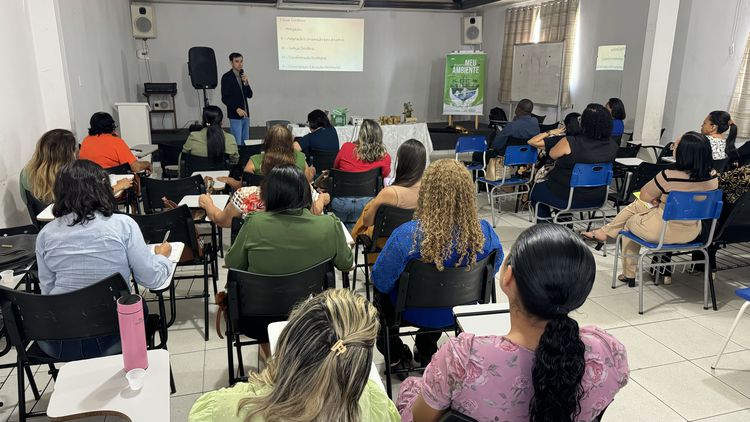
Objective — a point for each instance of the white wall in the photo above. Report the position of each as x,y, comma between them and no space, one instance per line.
404,61
100,54
703,73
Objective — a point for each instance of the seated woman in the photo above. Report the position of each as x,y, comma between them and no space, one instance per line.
105,148
286,238
545,141
367,153
546,367
322,136
447,232
411,160
86,243
318,373
211,141
617,110
692,172
593,146
714,126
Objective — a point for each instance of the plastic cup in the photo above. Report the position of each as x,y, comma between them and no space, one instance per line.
135,378
6,277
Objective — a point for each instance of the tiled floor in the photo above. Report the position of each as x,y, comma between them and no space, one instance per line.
670,348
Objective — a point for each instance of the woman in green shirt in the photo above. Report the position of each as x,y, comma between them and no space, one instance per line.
319,372
211,141
287,238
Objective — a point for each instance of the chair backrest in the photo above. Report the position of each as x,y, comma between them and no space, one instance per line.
693,205
323,160
667,151
12,231
251,294
719,165
618,140
366,183
237,223
34,207
644,173
251,179
387,219
517,155
471,144
169,155
513,141
628,151
539,118
547,128
87,312
591,175
270,123
121,169
178,221
421,285
192,163
152,190
743,152
736,226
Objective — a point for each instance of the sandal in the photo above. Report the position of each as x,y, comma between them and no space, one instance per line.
598,244
630,281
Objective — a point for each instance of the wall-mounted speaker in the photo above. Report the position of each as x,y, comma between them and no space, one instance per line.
202,67
144,20
472,30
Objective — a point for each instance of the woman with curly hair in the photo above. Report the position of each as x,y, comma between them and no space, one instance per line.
546,369
447,232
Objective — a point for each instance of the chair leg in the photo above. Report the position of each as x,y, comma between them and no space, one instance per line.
618,241
53,371
729,335
172,388
387,341
230,357
240,362
492,205
356,259
639,280
32,382
712,290
367,276
205,299
21,393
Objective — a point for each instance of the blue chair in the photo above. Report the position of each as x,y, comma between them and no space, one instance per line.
583,176
524,155
743,294
682,206
467,144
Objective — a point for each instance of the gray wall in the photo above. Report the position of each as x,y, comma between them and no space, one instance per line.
404,60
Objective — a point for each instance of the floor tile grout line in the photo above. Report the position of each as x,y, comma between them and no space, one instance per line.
721,380
657,398
720,414
675,351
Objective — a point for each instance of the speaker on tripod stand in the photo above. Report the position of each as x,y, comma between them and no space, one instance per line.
202,69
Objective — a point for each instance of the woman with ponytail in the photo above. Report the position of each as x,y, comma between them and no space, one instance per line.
319,373
546,369
714,126
212,141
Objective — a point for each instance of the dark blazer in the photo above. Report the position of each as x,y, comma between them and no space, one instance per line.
232,96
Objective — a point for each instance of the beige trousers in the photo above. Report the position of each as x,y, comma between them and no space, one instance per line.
646,223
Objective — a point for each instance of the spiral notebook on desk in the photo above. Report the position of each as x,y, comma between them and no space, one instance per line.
174,257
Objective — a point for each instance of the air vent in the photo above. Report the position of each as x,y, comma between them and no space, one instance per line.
320,4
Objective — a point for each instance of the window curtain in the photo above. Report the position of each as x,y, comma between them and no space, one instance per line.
739,108
519,27
558,21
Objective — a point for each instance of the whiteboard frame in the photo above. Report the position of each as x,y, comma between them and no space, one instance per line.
562,74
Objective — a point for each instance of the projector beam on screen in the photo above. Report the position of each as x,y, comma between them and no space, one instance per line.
320,44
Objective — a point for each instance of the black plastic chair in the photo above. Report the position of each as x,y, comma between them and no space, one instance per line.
84,313
387,219
245,151
251,179
169,158
322,160
629,151
421,285
720,165
743,153
539,118
634,181
237,223
130,198
271,123
179,222
359,184
192,163
34,206
547,128
268,296
153,190
120,169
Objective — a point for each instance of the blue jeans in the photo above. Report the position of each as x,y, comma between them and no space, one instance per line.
240,128
348,209
68,350
542,193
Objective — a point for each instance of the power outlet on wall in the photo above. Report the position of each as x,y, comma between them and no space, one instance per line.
142,54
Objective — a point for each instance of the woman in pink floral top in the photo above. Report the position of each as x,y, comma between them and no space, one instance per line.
545,368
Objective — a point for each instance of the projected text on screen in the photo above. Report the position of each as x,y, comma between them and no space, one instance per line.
320,44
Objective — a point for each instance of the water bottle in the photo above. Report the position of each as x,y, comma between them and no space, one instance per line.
132,332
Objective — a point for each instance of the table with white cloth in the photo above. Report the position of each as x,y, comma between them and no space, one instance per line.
393,136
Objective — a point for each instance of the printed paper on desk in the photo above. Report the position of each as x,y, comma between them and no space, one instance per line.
177,248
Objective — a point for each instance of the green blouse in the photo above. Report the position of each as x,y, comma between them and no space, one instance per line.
221,405
275,243
197,144
299,161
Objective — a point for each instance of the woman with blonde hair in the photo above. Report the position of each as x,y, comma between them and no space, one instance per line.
367,153
55,149
447,232
319,372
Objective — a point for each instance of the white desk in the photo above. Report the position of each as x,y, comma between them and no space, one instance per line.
46,214
669,159
94,387
142,150
214,175
250,142
192,201
348,234
483,319
274,331
629,162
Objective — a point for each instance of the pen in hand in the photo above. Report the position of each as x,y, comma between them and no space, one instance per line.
166,236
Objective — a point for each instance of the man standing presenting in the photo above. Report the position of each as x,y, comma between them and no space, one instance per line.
235,91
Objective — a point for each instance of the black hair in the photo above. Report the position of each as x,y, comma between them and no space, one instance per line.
83,188
212,118
573,124
554,272
617,107
233,56
286,189
411,159
723,121
100,123
317,119
596,122
693,156
525,106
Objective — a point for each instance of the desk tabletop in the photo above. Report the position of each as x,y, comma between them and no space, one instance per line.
669,159
142,150
483,319
348,234
629,161
192,201
214,174
98,386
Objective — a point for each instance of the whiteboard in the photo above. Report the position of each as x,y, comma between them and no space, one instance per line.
537,72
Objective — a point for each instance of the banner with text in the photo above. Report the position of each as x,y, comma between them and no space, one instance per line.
463,93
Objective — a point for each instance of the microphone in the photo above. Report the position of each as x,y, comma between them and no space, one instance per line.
242,72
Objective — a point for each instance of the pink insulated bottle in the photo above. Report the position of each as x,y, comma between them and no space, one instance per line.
132,332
